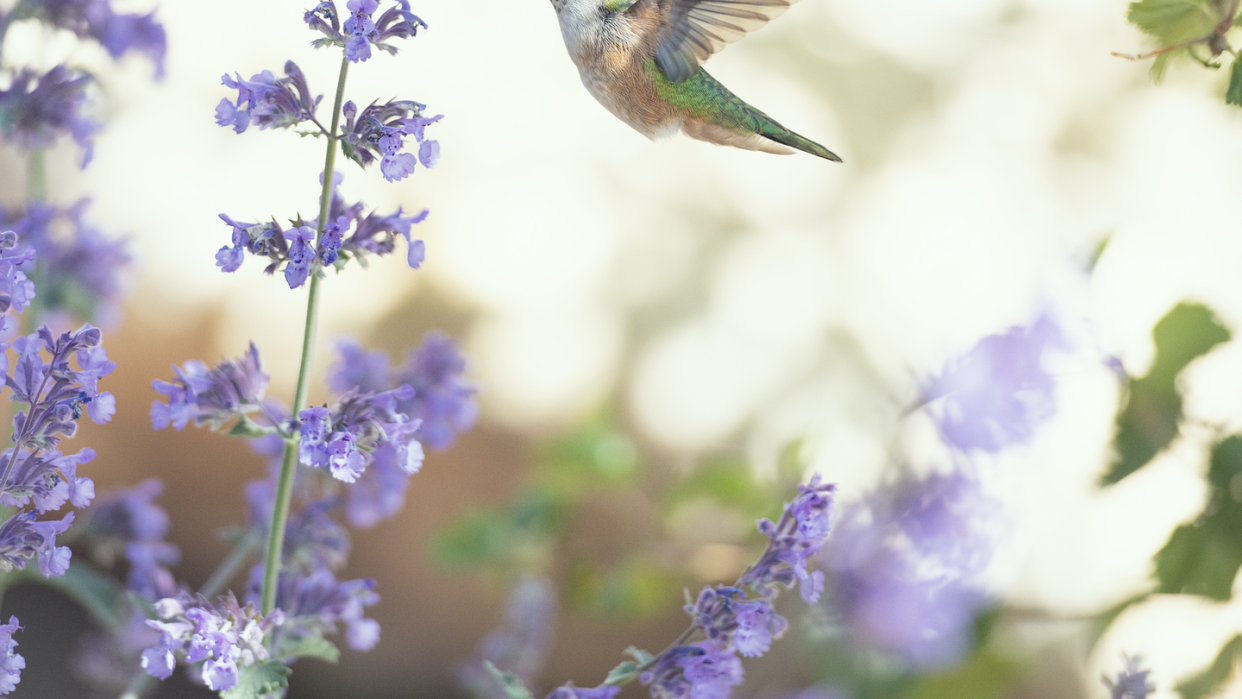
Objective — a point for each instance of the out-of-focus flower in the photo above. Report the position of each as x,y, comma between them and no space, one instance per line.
520,645
36,110
230,390
999,392
903,561
1131,682
267,101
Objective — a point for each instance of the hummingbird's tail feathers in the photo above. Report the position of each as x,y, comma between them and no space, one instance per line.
774,131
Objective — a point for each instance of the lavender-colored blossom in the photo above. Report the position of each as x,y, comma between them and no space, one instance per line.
267,101
128,523
36,110
379,131
11,662
79,268
799,534
903,562
23,537
118,33
1131,683
999,392
360,30
569,691
521,644
225,637
227,391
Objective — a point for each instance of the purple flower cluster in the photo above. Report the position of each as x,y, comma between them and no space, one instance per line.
36,110
520,645
128,523
302,256
77,266
11,663
1131,682
379,131
998,392
360,31
224,637
267,101
228,391
94,19
902,562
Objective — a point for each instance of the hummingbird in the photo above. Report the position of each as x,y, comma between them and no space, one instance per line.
642,59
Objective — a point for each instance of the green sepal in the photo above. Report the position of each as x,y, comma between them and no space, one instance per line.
245,427
627,671
1210,679
1234,94
509,683
1203,558
1153,408
258,681
308,647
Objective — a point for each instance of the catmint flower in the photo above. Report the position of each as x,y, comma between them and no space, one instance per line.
77,265
23,537
339,440
903,562
521,644
997,393
267,101
11,663
36,110
230,390
799,534
128,523
1131,682
224,637
569,691
360,30
118,33
379,131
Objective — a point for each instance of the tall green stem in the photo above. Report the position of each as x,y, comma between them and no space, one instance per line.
288,464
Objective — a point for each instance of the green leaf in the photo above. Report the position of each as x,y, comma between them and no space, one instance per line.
1153,409
1211,679
509,682
1174,21
259,680
982,676
1203,558
308,647
1234,94
101,596
627,671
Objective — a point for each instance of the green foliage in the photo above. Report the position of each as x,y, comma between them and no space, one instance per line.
1234,94
259,681
1202,558
509,683
1174,21
1153,409
308,647
1211,679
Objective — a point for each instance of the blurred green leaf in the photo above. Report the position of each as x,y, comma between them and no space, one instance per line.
1202,558
1174,21
509,683
1234,94
982,676
308,647
1206,683
258,680
1153,409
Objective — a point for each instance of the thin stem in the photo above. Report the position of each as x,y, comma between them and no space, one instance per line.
288,464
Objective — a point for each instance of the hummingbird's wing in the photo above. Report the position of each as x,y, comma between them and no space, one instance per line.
697,29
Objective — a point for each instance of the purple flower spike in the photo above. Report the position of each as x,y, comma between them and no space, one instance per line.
11,663
998,392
